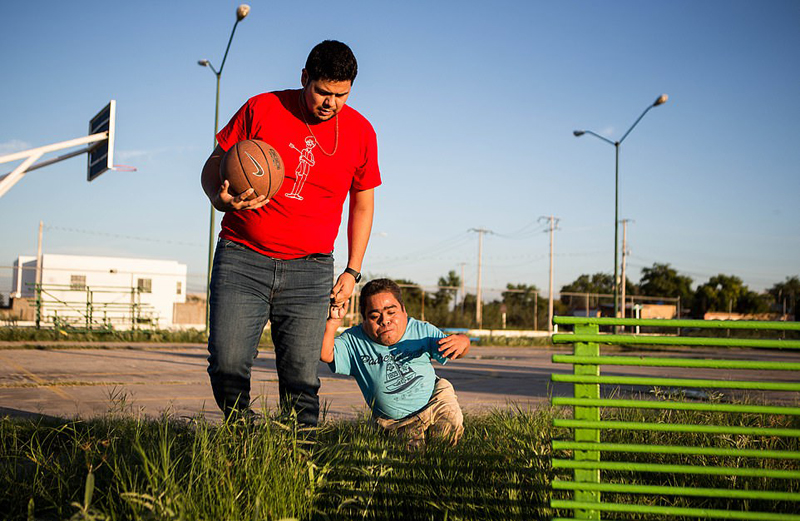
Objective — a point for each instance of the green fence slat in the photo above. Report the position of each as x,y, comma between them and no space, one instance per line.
675,511
663,323
677,427
643,361
676,382
628,466
561,338
678,491
676,449
679,406
589,414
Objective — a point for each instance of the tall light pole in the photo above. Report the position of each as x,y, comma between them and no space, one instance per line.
578,133
241,12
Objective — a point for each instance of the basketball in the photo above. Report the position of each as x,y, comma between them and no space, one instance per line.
252,164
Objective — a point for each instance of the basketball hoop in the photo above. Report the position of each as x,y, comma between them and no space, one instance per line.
123,168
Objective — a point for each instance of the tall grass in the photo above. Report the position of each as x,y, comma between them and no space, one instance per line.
126,467
130,468
163,469
499,470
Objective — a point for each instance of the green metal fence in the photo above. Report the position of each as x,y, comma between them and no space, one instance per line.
634,474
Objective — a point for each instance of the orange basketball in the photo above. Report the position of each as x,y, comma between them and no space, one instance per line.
252,164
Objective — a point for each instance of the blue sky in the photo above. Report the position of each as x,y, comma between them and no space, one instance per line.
474,104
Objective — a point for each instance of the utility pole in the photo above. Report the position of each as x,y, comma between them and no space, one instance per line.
624,259
478,303
553,221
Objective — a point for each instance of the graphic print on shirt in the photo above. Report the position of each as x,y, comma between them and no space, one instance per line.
304,165
399,377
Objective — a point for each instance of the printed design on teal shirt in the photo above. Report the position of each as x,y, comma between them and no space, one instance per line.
399,377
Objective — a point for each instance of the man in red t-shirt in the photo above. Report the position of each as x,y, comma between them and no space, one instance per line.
274,258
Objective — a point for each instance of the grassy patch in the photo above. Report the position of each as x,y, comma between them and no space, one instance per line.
504,341
124,467
119,467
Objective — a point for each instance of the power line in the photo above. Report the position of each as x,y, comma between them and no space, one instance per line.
118,236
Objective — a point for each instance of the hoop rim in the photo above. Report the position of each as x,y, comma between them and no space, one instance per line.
124,168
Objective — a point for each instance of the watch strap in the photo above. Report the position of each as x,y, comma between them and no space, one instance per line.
356,274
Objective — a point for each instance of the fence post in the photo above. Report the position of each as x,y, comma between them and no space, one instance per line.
591,391
88,321
38,291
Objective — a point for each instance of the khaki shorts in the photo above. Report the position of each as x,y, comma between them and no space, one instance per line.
441,418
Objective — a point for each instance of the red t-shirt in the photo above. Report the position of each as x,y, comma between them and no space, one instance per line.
303,217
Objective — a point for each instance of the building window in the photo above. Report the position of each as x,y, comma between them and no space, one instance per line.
77,282
144,285
178,292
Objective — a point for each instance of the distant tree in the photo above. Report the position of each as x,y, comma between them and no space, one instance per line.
727,292
468,317
751,302
447,290
438,305
720,293
412,297
597,283
788,293
662,281
520,302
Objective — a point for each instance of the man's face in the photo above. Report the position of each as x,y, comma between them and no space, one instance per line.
323,98
385,320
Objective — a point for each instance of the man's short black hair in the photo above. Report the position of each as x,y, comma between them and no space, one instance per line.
376,286
333,61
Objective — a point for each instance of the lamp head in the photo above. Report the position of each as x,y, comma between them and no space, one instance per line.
661,100
578,133
202,63
242,11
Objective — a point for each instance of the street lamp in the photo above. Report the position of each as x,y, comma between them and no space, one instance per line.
241,12
578,133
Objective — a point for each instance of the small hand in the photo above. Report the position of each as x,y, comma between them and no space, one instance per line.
225,201
454,346
338,312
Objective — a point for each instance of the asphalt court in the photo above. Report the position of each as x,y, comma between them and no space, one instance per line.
153,379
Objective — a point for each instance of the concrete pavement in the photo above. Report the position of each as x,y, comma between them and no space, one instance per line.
153,378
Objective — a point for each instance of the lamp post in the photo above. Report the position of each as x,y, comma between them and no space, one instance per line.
578,133
241,12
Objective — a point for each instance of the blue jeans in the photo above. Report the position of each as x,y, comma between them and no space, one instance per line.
247,289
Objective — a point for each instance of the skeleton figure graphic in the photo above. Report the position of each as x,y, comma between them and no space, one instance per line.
304,165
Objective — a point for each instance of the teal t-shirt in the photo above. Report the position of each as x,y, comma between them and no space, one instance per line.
396,381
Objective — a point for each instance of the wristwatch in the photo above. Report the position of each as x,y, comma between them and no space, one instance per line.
356,274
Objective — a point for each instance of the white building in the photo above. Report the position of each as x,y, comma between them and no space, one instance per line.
120,292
